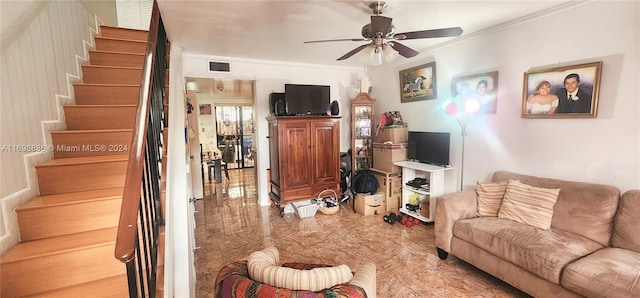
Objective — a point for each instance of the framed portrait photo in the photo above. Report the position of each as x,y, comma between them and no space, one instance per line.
562,92
482,87
205,109
418,83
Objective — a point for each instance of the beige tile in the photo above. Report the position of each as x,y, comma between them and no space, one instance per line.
230,225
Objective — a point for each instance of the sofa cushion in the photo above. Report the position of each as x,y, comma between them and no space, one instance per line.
609,272
263,267
490,196
627,222
541,252
586,209
528,204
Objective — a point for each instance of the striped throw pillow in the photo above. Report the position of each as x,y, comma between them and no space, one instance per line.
490,196
529,204
263,267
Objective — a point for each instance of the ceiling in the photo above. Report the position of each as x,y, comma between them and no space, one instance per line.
276,30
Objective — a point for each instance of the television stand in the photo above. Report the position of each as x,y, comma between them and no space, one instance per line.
434,175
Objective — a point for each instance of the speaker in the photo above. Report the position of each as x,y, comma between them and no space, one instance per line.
278,104
335,109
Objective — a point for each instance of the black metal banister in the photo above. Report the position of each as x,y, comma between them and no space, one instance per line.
141,213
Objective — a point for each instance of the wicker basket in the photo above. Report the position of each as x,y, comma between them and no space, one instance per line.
328,210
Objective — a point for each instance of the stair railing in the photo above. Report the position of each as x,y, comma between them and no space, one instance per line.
141,215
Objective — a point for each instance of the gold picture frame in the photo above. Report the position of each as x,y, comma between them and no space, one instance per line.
418,83
562,92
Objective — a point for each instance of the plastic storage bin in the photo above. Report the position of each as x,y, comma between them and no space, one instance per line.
305,209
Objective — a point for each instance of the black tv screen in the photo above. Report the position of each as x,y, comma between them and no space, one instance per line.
429,147
307,99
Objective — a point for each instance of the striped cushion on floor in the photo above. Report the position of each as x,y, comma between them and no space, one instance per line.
264,267
233,281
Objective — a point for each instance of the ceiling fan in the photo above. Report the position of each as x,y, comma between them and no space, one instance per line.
382,35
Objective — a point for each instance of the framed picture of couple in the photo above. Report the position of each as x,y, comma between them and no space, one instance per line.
562,92
482,87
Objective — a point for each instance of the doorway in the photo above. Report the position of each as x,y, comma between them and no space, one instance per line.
225,107
235,127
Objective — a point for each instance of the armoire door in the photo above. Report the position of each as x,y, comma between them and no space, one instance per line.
326,153
295,155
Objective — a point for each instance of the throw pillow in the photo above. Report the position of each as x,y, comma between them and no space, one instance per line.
490,196
529,204
263,268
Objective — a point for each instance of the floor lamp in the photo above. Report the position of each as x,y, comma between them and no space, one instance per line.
470,107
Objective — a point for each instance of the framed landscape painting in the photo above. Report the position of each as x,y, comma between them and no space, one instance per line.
482,87
418,83
562,92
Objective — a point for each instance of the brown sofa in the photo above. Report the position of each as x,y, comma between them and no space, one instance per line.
592,248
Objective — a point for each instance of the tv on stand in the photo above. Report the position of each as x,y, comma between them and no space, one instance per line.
429,147
302,100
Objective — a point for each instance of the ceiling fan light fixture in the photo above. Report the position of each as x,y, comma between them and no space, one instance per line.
365,55
389,53
376,56
382,35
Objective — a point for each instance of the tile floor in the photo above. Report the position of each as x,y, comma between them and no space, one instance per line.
230,225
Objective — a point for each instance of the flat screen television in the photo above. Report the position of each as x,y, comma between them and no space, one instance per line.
307,99
429,147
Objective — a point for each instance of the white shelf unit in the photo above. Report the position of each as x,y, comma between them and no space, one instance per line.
434,176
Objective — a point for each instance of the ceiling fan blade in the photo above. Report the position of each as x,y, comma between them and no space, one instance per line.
403,50
353,52
443,32
380,24
331,40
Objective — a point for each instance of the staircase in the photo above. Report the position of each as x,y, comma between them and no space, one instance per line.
68,233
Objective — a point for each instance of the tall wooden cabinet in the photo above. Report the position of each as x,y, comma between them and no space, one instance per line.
304,156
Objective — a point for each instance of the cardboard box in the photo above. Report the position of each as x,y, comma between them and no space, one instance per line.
394,134
424,209
385,154
367,204
391,184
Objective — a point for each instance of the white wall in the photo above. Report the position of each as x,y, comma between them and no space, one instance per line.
602,150
270,77
104,9
180,274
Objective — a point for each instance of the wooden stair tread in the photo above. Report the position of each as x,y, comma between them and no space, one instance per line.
54,245
104,26
107,85
120,39
115,52
110,67
80,131
115,286
71,198
98,106
84,160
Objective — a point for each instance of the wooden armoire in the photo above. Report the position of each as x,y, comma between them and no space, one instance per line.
304,156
